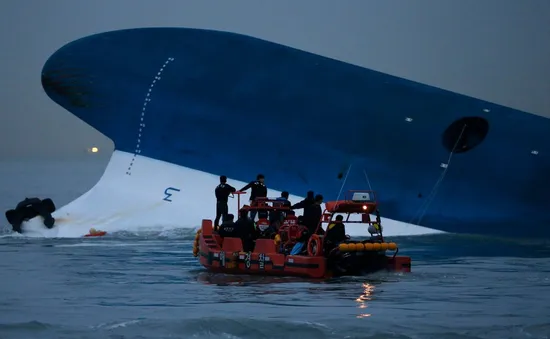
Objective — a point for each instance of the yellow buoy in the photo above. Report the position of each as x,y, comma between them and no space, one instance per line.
343,247
359,247
392,246
376,246
368,246
383,246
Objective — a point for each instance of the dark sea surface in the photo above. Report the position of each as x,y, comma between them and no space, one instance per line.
149,285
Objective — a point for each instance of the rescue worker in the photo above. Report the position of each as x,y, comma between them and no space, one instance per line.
277,215
222,191
300,247
259,190
284,198
304,203
312,215
264,230
228,228
336,233
247,230
375,231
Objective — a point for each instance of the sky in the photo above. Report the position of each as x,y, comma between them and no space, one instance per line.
496,50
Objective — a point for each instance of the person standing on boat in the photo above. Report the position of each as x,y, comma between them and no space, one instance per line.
309,200
259,190
247,230
312,215
284,199
222,191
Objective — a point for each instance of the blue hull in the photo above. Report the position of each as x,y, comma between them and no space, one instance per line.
230,104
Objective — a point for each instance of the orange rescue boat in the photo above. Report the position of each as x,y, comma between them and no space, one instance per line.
95,233
271,256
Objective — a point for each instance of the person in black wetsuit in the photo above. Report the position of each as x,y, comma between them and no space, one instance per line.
228,227
304,203
247,231
312,215
222,191
336,233
259,190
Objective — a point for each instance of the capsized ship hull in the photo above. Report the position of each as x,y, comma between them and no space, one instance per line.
231,104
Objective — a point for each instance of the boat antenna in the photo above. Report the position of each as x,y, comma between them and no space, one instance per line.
344,183
431,196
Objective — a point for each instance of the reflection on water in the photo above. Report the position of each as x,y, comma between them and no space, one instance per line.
222,279
292,291
368,291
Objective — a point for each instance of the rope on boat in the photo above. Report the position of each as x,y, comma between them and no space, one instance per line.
368,181
344,183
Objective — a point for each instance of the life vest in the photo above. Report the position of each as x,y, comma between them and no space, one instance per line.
330,226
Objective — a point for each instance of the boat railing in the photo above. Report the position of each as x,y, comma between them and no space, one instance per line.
361,202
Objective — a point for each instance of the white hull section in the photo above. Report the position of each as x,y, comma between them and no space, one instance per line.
141,202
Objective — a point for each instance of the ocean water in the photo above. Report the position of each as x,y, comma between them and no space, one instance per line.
148,284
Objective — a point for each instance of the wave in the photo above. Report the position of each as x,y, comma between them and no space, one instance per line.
249,328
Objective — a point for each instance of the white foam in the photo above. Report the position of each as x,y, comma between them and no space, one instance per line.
135,202
100,244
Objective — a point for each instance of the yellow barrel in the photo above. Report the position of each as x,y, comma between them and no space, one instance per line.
343,247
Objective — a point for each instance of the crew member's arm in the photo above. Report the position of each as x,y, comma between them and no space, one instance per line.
299,205
247,186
